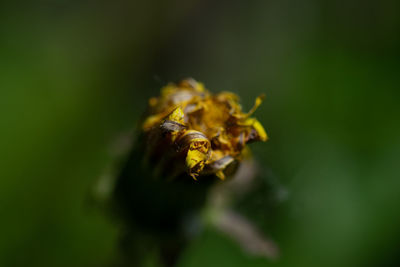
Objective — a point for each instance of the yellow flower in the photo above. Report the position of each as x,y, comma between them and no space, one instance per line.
199,132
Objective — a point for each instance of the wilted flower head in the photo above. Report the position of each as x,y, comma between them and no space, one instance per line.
191,130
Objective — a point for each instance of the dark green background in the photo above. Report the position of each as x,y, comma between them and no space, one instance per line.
75,75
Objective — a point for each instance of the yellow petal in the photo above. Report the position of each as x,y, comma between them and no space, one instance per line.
151,121
256,125
260,131
220,175
177,115
257,103
196,158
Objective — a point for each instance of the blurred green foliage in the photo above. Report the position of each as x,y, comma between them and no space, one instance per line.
74,75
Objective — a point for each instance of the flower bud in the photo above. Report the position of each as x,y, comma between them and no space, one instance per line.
190,130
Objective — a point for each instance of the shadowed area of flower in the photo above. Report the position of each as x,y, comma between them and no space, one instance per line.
188,133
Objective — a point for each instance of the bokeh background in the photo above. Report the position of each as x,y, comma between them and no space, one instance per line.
76,75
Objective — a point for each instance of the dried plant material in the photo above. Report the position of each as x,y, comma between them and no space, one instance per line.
191,130
245,234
